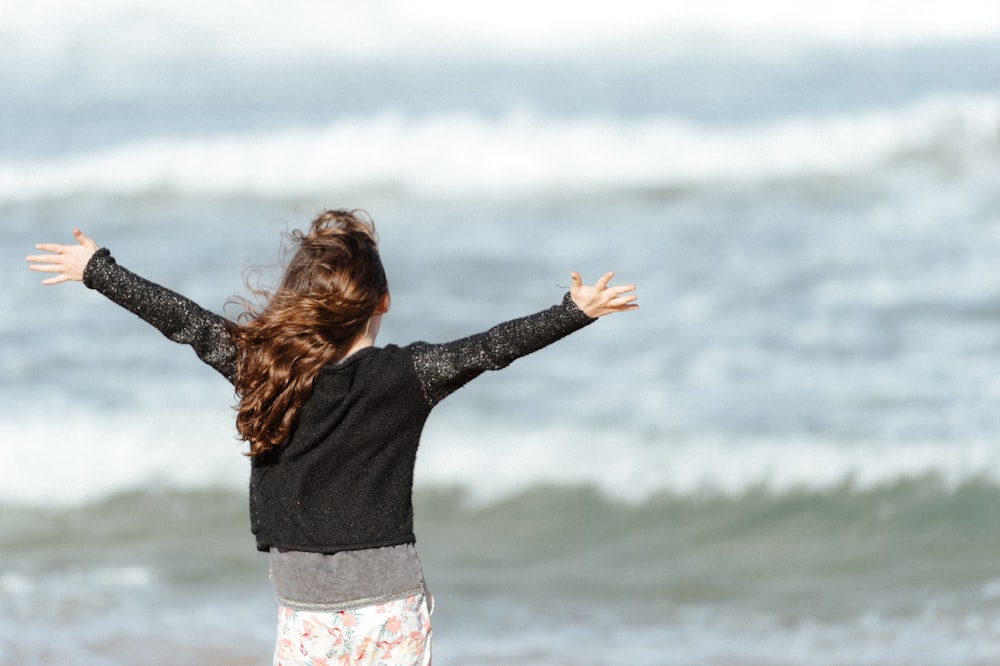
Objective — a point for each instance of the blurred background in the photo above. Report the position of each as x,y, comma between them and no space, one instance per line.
789,455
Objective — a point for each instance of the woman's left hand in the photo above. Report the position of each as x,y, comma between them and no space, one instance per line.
68,261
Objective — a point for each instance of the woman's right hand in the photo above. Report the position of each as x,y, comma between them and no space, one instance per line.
67,261
599,299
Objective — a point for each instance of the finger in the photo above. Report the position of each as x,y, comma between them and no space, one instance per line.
620,289
44,265
55,248
84,240
577,282
59,279
602,282
624,301
46,259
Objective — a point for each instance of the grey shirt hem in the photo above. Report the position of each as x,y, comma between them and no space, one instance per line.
350,605
346,580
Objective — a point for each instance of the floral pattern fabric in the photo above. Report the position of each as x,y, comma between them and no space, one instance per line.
397,633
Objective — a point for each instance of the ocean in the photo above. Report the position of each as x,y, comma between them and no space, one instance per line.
790,455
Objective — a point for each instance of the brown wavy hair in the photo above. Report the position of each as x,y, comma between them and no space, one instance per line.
333,284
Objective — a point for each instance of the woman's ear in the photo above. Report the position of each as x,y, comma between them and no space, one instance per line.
383,304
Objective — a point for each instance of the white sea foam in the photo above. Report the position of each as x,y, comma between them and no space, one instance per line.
86,456
457,156
66,456
493,464
121,29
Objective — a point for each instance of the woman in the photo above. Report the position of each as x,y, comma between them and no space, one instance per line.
333,424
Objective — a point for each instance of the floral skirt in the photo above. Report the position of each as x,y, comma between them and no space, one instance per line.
397,633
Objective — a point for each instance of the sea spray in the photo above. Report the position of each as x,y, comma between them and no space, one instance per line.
529,155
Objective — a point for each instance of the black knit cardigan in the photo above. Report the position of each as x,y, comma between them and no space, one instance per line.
344,478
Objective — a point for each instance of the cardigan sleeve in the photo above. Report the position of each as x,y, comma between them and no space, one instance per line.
177,317
444,368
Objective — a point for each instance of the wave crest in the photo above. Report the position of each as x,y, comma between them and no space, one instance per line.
458,156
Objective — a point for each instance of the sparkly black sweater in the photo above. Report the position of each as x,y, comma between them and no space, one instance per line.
344,479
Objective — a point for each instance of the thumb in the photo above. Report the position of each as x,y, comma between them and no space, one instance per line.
84,240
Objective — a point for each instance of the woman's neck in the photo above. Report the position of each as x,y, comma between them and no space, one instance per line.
367,337
360,343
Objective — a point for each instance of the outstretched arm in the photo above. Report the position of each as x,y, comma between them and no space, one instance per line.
175,316
443,368
67,261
